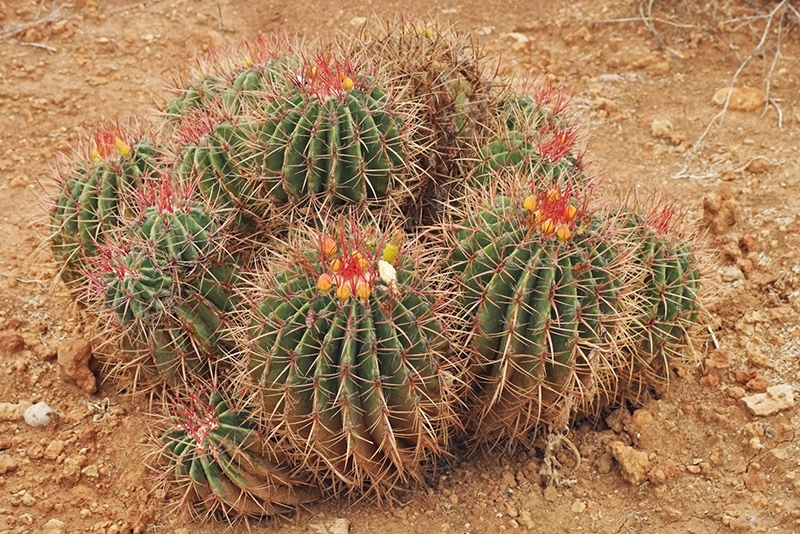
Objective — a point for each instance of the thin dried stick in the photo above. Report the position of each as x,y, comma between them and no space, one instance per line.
147,3
648,22
54,15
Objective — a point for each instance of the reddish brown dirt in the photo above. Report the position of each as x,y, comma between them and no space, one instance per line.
712,466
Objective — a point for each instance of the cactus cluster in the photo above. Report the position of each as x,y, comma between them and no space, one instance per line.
378,252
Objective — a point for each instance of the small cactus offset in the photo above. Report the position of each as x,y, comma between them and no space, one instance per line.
539,279
349,350
93,195
213,452
337,136
217,159
535,135
233,79
665,302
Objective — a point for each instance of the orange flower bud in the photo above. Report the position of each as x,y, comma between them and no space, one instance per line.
553,195
328,246
563,232
363,290
324,282
343,292
360,261
570,211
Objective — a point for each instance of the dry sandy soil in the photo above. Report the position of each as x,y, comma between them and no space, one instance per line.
709,465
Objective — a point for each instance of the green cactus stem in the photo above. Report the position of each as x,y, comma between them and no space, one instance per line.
349,350
337,137
539,283
213,452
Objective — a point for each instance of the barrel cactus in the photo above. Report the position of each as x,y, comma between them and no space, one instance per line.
666,302
534,134
212,451
539,279
337,136
93,194
348,349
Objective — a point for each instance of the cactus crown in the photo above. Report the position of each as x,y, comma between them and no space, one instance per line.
325,77
555,212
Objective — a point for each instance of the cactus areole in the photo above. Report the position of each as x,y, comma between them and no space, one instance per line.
349,351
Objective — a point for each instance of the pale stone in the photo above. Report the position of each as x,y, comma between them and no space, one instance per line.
776,399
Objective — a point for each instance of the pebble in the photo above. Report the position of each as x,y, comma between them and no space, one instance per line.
7,463
39,414
776,399
54,526
331,526
550,494
730,273
741,98
662,129
54,449
634,464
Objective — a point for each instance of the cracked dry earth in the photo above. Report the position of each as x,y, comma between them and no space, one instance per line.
693,460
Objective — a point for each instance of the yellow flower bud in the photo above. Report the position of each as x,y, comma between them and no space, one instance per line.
547,226
344,292
362,263
363,290
570,211
324,282
248,61
123,147
390,253
537,216
96,156
530,203
347,83
336,265
563,232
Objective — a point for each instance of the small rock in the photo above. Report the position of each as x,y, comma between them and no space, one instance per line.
757,481
741,98
54,449
331,526
72,469
604,464
736,392
10,341
550,494
13,412
91,471
641,417
7,463
54,526
718,360
759,384
578,506
28,499
758,165
672,514
73,359
731,273
776,399
743,376
662,129
720,211
520,40
635,464
39,414
757,358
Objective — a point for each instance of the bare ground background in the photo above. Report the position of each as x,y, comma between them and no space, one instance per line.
710,467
